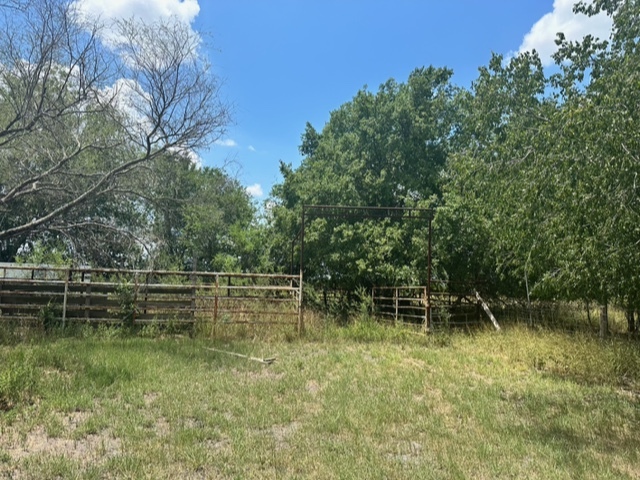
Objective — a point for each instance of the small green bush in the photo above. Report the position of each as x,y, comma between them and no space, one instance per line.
151,330
51,316
125,292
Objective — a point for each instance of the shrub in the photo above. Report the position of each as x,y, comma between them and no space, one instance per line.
51,316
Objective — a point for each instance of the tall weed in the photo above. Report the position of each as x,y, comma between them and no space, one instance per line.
18,378
578,356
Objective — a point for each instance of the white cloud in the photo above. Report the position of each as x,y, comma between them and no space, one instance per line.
109,12
228,142
147,10
191,155
255,190
542,35
129,98
251,148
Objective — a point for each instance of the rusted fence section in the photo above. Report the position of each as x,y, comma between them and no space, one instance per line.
416,305
30,292
402,304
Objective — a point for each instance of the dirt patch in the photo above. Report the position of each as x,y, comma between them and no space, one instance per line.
409,452
85,450
313,387
193,423
162,427
630,393
150,398
367,357
223,444
282,433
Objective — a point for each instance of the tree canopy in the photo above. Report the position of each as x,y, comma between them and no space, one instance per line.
545,178
85,109
380,149
533,172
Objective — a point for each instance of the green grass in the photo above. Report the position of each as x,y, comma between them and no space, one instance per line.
362,401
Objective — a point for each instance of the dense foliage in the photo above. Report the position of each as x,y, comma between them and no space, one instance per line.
202,215
380,149
86,108
546,176
532,172
99,124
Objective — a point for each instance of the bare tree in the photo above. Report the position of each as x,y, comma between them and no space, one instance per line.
83,106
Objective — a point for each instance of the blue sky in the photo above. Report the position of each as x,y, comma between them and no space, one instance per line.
286,62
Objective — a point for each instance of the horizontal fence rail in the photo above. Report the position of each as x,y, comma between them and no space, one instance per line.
31,292
418,306
401,304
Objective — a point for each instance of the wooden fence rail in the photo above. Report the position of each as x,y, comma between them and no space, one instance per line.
32,292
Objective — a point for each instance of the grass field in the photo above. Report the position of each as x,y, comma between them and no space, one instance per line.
358,402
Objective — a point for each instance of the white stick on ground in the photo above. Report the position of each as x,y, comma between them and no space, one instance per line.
264,361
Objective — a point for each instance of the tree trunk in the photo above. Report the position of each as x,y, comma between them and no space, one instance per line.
604,321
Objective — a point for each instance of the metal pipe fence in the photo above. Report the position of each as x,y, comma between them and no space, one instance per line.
93,295
424,306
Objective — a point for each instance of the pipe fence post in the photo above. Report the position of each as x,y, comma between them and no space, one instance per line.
64,301
300,310
215,307
395,301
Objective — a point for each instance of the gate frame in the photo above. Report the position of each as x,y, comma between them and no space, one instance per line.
361,213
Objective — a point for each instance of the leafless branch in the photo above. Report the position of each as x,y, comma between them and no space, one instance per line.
79,117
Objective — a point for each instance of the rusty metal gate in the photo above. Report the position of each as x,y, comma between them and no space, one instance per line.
417,306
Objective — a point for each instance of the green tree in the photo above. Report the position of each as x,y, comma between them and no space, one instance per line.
547,167
202,215
601,89
81,120
490,227
380,149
